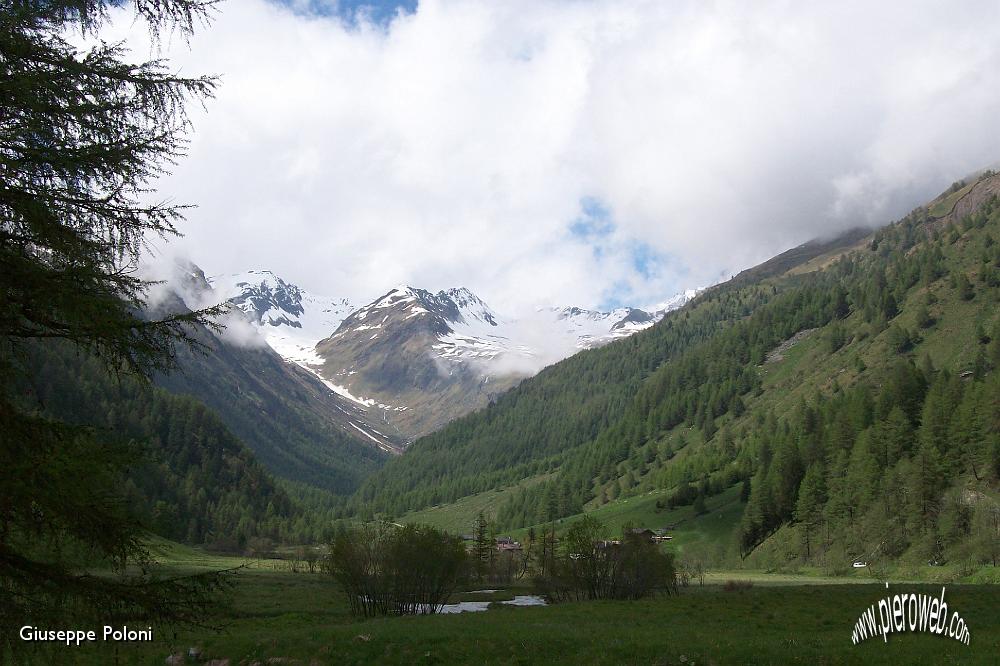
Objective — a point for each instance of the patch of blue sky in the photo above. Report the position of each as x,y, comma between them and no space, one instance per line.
595,228
594,223
351,12
655,266
616,296
645,260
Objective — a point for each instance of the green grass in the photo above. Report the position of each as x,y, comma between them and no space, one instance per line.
724,512
457,517
944,205
303,619
805,576
187,559
715,526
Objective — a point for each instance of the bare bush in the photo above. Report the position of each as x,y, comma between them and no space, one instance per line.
737,585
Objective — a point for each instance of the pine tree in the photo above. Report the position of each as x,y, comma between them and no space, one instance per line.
863,473
892,437
784,478
927,481
839,508
922,316
809,507
481,545
889,307
836,337
986,532
937,418
82,135
993,353
964,287
898,339
840,306
699,504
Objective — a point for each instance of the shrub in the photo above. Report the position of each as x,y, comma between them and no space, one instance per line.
693,565
683,496
387,569
591,567
899,339
836,338
923,317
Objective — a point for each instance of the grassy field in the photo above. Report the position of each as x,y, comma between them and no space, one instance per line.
715,526
458,517
946,203
277,616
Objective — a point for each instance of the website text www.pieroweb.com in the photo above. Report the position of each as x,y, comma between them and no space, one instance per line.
913,612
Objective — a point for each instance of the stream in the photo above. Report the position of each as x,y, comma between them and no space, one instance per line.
477,606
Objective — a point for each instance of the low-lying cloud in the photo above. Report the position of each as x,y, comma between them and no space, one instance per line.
460,144
175,277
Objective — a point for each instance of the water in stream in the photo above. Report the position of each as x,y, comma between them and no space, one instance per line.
477,606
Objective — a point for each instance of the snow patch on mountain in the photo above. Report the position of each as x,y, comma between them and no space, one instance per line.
290,319
466,330
523,346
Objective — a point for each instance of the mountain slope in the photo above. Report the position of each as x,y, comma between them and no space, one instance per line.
422,355
538,426
430,358
716,395
298,428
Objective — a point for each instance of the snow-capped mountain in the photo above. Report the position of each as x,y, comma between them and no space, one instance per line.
467,330
590,328
461,324
410,352
253,387
416,359
291,319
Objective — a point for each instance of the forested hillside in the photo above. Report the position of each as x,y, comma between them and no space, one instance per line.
190,478
531,429
852,388
284,415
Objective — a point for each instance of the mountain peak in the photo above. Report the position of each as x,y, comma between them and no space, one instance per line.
402,288
410,347
291,319
674,302
450,306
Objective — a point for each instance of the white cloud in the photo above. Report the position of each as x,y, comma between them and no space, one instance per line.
172,277
455,146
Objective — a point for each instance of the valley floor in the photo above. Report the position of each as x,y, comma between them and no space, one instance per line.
278,616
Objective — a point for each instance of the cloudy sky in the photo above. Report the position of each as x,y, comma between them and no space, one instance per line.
569,151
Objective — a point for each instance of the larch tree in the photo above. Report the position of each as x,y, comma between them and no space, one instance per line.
809,506
84,134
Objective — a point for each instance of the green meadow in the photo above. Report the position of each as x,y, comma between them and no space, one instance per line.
277,616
